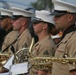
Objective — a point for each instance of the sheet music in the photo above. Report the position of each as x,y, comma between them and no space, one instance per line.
9,62
19,68
5,73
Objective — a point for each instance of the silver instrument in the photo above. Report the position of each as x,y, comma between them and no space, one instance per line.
21,64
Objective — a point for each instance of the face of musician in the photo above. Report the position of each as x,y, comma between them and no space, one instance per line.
17,24
21,24
6,23
38,27
62,23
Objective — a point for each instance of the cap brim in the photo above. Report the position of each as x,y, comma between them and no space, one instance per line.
58,13
3,16
16,16
36,20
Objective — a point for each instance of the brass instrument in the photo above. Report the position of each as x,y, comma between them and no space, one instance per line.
23,54
30,49
3,58
21,60
46,62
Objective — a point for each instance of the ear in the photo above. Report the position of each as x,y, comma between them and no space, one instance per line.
70,17
23,23
45,25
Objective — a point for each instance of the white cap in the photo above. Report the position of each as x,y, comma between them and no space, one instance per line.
63,6
44,15
21,12
55,36
5,12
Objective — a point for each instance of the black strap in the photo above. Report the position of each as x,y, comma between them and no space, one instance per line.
68,30
73,70
10,44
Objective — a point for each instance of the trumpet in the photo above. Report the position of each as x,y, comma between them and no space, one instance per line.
46,62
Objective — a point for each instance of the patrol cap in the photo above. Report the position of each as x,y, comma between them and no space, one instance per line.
21,12
44,16
61,8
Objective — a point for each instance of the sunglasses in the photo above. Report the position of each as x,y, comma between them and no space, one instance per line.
59,15
36,22
15,17
3,17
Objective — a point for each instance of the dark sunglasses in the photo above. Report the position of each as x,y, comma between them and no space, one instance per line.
59,15
15,17
36,22
3,17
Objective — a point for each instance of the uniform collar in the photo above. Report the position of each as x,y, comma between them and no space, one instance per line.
47,37
25,31
43,40
9,30
68,30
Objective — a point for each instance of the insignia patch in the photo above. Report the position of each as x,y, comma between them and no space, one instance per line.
46,53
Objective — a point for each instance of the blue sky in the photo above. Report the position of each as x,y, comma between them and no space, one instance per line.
70,1
18,3
26,3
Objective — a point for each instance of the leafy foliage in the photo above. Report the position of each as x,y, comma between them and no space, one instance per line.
43,5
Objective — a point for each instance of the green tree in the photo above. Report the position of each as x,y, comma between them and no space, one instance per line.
43,5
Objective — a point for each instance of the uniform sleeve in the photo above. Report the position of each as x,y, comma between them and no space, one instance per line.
46,50
6,40
5,43
9,39
25,42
